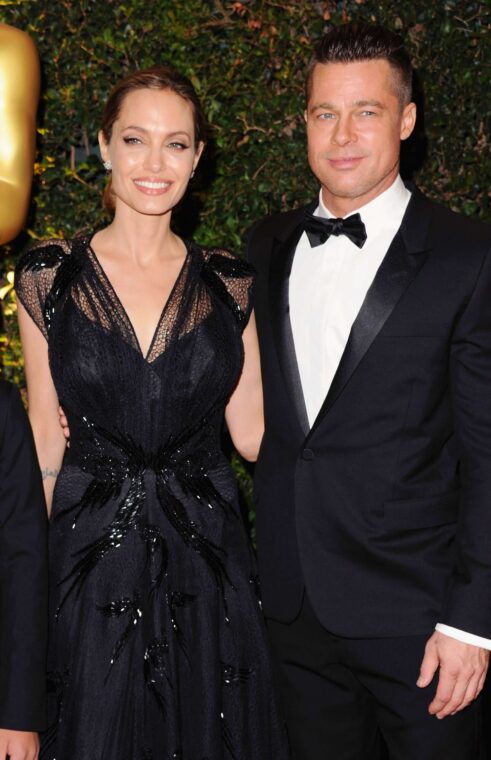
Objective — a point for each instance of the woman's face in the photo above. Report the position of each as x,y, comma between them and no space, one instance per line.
152,151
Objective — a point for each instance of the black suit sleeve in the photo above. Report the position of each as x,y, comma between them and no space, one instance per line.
23,571
468,605
249,247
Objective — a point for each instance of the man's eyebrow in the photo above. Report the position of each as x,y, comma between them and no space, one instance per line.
374,103
326,106
357,103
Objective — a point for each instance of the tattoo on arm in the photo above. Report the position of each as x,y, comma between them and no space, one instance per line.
47,473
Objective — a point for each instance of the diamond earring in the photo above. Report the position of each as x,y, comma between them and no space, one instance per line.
192,174
107,165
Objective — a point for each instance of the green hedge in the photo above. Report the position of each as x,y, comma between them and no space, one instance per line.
247,60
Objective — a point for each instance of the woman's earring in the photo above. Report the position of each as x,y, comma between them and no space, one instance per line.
192,174
107,165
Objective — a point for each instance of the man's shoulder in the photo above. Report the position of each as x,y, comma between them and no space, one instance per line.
275,225
455,227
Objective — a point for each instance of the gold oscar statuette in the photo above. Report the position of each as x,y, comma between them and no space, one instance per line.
19,93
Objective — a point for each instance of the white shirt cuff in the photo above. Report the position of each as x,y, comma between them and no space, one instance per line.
467,638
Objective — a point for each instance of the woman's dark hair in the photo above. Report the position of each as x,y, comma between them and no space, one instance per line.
156,78
364,42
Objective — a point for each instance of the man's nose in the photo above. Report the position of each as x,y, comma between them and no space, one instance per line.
344,132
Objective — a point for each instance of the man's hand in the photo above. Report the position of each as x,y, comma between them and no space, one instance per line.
18,745
64,424
463,669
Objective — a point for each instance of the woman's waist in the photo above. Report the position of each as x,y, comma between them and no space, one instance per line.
115,456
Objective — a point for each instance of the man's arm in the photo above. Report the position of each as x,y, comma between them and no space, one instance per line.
467,638
463,665
23,572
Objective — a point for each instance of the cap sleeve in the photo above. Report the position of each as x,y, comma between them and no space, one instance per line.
233,279
34,277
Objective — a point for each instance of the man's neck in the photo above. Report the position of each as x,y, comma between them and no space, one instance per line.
343,207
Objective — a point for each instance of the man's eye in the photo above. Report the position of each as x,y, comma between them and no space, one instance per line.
368,113
131,140
326,116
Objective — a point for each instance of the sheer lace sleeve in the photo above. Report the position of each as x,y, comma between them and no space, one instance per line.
233,279
34,277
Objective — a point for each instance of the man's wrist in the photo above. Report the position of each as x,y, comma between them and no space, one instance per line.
464,636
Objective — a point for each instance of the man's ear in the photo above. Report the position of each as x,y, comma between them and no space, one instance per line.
408,120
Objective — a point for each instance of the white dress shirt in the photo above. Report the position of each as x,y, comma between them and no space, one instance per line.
328,285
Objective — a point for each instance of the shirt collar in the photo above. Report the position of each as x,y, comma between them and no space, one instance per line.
386,210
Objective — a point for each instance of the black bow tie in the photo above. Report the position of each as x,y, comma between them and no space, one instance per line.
319,229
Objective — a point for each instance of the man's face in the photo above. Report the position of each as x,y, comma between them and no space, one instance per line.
355,123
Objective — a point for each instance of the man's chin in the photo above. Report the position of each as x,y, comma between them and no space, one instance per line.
344,191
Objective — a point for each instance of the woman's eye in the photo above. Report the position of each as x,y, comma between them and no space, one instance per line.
178,145
131,140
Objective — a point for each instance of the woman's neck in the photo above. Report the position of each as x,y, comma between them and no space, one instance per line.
140,237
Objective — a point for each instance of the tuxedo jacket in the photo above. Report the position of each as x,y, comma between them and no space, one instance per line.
23,571
382,509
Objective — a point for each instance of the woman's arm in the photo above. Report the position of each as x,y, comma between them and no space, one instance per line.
43,403
244,412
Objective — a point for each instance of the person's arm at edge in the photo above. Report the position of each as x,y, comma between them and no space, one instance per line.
23,587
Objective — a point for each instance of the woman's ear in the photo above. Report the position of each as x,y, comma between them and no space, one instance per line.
199,151
103,145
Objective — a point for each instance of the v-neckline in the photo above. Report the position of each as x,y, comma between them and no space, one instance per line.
163,312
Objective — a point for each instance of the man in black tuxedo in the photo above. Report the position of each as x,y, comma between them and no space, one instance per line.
23,583
373,483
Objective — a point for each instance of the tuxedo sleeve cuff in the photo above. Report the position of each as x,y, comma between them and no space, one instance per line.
467,638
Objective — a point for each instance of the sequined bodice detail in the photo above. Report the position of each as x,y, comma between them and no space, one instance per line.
97,364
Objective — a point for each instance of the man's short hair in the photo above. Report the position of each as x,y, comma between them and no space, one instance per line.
364,42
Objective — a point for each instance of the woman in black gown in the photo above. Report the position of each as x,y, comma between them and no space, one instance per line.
157,646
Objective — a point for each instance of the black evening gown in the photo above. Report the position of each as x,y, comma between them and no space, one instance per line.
157,644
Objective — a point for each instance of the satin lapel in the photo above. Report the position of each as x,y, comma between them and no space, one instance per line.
400,266
279,280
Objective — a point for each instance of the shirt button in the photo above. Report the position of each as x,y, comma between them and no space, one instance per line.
307,455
